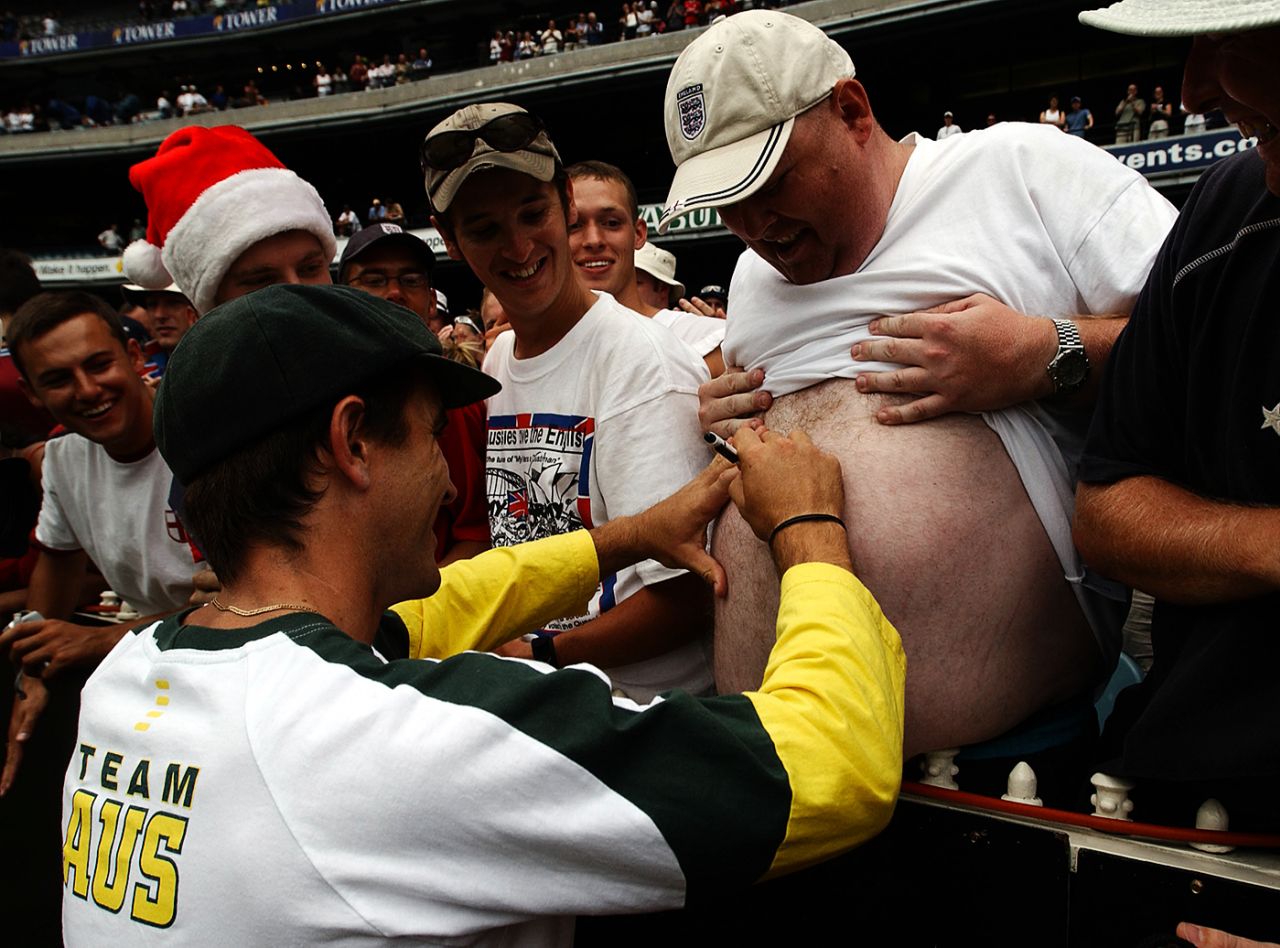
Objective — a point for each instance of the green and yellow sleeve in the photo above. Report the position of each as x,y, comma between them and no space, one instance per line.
491,598
832,701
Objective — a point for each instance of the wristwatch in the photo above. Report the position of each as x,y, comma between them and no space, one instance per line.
1070,365
544,649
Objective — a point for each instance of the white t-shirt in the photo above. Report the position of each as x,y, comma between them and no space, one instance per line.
602,425
947,131
1044,222
120,515
703,334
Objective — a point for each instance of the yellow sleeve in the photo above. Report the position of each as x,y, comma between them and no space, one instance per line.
491,598
832,701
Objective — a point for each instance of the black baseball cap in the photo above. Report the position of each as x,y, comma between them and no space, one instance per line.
257,362
385,235
714,289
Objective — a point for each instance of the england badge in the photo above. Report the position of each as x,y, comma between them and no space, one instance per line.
693,111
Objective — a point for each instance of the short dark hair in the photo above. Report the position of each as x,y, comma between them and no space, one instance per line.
260,494
444,219
603,171
18,281
45,312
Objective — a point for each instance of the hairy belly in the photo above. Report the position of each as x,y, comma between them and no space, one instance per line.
942,532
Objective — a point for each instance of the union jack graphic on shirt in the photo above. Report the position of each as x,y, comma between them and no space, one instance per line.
538,479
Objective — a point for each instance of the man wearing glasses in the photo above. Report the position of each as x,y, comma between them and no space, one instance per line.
388,262
391,263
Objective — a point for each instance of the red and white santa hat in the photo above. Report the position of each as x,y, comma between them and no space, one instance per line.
211,194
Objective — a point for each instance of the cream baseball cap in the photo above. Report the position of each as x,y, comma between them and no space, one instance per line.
659,264
732,99
1183,17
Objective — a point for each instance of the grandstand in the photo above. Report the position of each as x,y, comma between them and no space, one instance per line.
917,58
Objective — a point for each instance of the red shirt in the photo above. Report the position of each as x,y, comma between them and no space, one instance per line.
462,443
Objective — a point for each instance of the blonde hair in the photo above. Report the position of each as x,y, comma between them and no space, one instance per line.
468,353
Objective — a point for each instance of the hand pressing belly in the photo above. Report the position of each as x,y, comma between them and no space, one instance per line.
942,532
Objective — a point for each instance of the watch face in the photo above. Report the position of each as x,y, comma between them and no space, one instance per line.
1070,369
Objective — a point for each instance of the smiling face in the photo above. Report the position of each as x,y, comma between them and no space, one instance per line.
605,238
1235,72
825,205
415,487
513,231
294,256
90,382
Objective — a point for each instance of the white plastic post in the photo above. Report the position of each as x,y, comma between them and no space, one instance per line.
1111,797
1212,815
939,767
1022,785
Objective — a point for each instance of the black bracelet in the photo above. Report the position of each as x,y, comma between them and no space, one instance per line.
543,647
805,518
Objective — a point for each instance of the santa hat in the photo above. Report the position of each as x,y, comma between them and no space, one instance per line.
211,194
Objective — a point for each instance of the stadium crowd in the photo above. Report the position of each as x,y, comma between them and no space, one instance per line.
459,557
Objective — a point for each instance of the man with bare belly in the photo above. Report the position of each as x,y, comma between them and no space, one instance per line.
964,522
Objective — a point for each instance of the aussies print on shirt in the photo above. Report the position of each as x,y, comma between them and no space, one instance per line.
538,481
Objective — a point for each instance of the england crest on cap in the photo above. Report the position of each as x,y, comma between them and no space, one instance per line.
693,111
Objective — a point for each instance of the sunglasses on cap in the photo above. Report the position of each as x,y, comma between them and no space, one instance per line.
511,132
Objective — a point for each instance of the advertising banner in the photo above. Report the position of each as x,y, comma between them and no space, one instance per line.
160,31
1183,153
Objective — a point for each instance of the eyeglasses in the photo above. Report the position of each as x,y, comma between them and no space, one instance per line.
379,281
510,132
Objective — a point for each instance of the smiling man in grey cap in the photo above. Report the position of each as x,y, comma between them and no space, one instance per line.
1179,493
979,254
598,413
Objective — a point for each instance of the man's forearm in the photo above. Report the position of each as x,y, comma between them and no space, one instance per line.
649,623
56,583
1097,333
1177,545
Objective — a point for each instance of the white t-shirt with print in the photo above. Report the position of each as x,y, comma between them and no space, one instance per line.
602,425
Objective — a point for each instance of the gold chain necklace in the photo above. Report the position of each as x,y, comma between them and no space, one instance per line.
246,613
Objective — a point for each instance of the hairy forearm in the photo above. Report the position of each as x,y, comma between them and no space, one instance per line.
1098,333
1177,545
652,622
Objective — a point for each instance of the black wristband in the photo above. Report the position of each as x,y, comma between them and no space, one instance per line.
805,518
544,649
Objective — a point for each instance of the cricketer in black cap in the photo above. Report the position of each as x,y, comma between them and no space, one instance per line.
385,796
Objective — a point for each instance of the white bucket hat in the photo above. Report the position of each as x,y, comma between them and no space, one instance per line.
1183,17
659,264
732,99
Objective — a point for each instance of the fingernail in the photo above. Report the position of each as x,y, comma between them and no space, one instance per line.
861,383
874,326
856,352
1192,933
